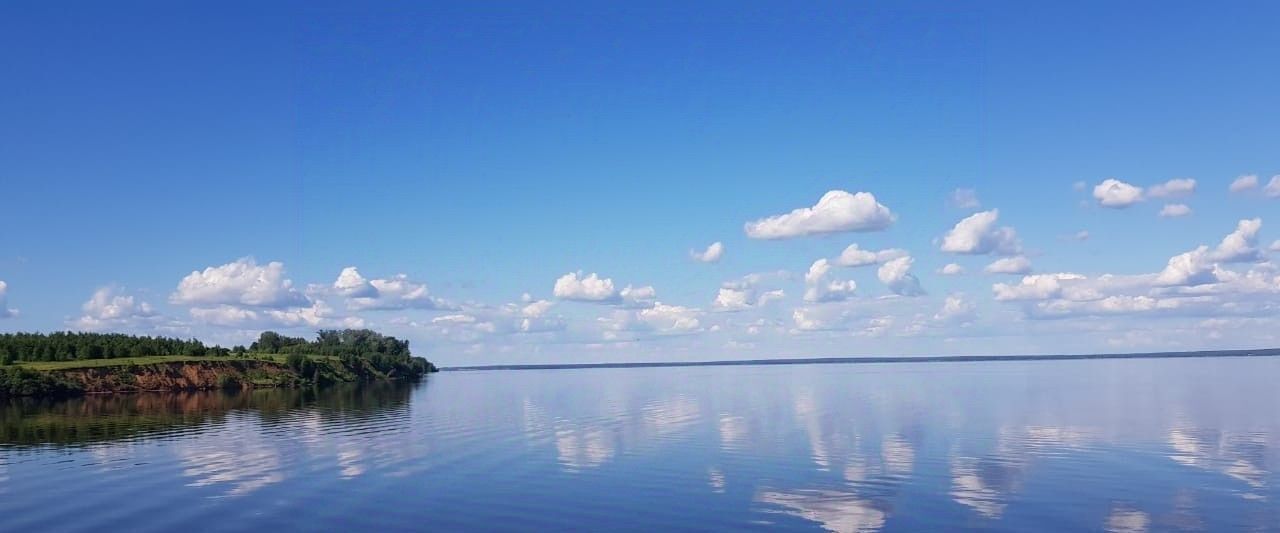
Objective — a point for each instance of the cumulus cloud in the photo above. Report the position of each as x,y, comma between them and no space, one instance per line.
661,319
316,315
592,288
1272,190
853,256
712,254
951,269
1175,210
836,211
1034,287
475,324
5,311
109,308
239,283
1174,188
1081,235
1244,183
818,288
1189,268
1241,245
955,310
746,293
382,294
638,296
1018,264
896,275
1116,194
1275,246
964,199
977,234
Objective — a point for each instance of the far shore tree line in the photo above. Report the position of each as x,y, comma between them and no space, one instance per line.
350,345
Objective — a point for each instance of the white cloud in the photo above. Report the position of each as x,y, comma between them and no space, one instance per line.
350,283
317,315
1275,246
241,282
896,275
1190,268
964,199
978,234
1175,210
394,293
1241,245
670,318
955,310
1081,235
591,288
5,311
836,211
1173,188
951,269
1018,264
638,296
1034,287
852,256
1272,190
819,289
712,254
741,299
109,308
1244,183
1116,194
661,319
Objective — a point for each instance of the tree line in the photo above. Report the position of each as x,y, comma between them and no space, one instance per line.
383,352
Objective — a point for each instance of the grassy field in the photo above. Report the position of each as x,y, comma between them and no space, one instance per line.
125,361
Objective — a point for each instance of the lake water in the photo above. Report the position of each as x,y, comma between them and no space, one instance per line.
1120,445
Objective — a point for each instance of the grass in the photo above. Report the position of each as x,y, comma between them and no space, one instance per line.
153,359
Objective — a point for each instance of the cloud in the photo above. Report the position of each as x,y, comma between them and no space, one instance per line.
239,283
1189,268
591,288
951,269
977,234
744,294
735,299
896,275
109,308
852,256
1081,236
1241,245
820,289
5,311
394,293
1275,246
712,254
955,310
1018,264
638,296
316,315
836,211
1174,188
1034,287
964,199
1244,183
661,319
1272,190
1116,194
529,317
1175,210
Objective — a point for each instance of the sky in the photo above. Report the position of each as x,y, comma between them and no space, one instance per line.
512,182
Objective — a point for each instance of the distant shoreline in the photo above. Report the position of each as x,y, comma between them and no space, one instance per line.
1266,352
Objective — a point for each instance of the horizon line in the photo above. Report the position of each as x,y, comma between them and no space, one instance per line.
1260,352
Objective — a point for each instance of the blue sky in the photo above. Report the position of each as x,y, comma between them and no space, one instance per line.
481,153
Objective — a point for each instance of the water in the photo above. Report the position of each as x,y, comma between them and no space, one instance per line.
1028,446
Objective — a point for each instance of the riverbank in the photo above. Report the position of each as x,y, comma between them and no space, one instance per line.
186,373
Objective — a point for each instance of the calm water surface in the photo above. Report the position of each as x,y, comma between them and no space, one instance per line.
1072,445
